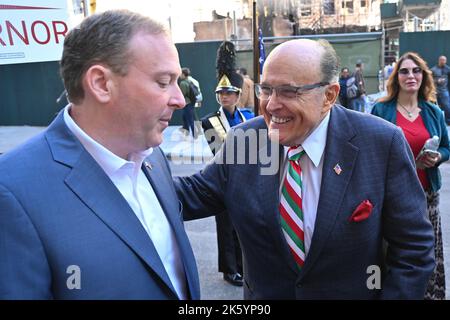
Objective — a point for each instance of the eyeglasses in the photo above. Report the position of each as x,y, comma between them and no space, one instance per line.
264,92
406,71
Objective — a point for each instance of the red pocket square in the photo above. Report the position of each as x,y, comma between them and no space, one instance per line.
362,212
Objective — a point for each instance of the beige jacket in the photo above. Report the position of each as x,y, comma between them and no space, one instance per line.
247,96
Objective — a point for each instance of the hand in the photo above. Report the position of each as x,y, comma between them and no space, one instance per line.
427,161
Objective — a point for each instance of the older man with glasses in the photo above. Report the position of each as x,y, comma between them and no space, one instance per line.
315,228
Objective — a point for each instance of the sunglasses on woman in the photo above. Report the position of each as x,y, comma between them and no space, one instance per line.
405,71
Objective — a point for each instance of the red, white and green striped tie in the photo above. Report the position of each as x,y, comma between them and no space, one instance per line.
291,206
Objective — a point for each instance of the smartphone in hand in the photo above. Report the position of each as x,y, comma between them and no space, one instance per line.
431,153
428,152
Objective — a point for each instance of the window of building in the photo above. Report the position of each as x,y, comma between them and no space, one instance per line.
305,8
363,3
328,7
347,6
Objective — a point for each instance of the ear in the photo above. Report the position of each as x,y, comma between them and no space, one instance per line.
331,94
99,83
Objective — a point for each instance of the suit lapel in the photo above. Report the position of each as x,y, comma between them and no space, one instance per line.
94,188
106,202
338,151
171,207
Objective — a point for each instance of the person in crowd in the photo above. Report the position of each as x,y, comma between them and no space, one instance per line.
88,208
408,104
215,126
345,75
188,110
198,103
441,73
247,99
313,190
387,71
357,103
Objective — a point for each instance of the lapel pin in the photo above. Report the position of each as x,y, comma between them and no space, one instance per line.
337,169
148,165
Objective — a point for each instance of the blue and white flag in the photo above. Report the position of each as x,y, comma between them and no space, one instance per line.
262,52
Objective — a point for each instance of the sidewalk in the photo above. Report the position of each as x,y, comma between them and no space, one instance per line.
12,136
176,146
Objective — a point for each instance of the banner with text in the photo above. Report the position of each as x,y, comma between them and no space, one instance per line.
32,30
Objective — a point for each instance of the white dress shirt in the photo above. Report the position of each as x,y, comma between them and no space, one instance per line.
312,165
134,186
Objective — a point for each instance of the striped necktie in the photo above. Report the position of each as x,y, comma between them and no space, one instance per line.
291,206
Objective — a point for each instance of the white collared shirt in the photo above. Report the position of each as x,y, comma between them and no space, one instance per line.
134,186
312,165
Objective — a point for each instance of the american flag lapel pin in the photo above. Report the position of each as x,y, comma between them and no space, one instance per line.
148,165
337,169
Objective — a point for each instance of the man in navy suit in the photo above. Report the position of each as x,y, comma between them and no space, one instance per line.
343,216
88,209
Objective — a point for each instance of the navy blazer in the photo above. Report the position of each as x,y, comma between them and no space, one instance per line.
377,165
59,209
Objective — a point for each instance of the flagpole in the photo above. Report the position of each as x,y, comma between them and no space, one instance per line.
255,55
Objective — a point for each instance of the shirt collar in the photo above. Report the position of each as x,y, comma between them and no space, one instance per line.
107,160
314,144
228,114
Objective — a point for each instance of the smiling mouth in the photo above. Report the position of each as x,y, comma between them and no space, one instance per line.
279,120
164,121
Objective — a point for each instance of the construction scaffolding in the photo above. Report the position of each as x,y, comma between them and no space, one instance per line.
318,16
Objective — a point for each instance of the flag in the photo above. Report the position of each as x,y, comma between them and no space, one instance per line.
262,52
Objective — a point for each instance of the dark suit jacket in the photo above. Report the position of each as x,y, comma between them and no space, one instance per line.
377,165
58,208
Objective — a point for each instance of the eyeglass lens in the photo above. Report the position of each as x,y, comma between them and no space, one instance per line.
282,92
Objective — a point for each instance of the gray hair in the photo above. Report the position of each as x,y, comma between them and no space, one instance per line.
329,62
101,39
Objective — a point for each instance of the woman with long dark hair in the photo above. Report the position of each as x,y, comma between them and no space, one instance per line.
410,105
